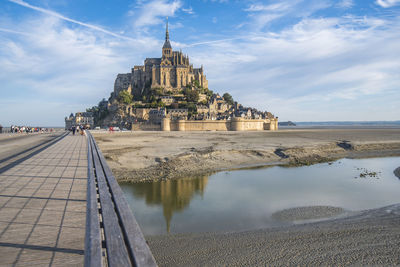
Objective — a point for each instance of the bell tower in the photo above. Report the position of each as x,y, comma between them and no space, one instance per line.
167,49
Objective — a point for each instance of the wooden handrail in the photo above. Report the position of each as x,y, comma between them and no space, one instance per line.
93,255
121,239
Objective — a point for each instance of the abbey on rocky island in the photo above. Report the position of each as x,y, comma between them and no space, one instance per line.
169,94
172,72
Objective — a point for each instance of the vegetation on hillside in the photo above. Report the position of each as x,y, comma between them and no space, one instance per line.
228,98
187,98
99,112
191,95
125,97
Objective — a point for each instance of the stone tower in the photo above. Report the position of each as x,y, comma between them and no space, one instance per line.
170,72
167,49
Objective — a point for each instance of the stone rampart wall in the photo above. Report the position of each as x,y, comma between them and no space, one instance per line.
236,124
145,127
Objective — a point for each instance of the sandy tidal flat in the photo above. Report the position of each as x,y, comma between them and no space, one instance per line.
368,238
140,156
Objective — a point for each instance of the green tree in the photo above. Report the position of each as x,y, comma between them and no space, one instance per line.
192,107
183,104
157,91
125,97
209,93
192,110
153,104
191,95
196,83
93,109
228,98
160,104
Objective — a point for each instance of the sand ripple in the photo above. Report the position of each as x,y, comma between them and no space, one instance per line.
307,213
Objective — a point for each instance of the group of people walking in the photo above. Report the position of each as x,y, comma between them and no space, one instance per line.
79,129
27,129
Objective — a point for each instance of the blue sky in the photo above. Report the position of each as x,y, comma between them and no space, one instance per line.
303,60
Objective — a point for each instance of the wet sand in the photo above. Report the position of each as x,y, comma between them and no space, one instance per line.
366,238
140,156
369,237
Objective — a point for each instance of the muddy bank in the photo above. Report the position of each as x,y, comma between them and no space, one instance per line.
367,238
141,156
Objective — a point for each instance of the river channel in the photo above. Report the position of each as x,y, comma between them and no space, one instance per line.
252,198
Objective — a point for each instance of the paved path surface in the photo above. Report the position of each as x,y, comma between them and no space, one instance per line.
43,207
12,144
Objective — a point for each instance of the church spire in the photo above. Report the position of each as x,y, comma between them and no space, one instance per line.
167,44
166,32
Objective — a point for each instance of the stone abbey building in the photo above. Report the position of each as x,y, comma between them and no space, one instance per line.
172,72
173,95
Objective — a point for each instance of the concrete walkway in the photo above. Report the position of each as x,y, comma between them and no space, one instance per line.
43,207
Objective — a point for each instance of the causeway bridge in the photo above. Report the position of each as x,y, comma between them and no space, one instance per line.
60,205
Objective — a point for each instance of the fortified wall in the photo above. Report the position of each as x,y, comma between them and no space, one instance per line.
236,124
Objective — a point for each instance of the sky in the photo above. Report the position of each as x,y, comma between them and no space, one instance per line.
302,60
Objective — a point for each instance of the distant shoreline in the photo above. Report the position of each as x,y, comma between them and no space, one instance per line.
355,123
340,127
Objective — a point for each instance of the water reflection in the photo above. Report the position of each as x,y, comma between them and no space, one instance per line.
246,199
173,195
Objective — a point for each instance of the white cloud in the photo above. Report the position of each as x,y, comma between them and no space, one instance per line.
155,11
46,61
188,10
387,3
339,68
13,31
174,26
58,15
345,4
306,72
50,50
262,15
273,7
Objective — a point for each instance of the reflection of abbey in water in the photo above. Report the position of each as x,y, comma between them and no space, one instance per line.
173,195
